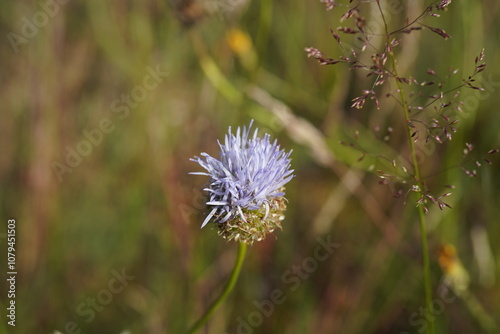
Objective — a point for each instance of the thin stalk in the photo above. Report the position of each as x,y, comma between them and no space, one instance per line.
416,169
421,213
242,248
213,72
266,18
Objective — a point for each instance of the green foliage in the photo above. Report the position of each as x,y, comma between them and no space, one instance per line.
128,203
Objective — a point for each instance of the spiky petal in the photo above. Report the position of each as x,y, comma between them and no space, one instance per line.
247,178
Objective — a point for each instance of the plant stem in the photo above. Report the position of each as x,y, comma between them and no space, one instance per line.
416,169
421,213
427,270
242,248
213,72
266,18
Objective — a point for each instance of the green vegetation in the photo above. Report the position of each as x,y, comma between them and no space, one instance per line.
104,102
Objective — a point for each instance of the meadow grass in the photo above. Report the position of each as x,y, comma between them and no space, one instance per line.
129,204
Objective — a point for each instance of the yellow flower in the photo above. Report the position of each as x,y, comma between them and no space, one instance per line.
241,44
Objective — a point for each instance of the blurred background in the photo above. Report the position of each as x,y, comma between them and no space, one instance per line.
103,104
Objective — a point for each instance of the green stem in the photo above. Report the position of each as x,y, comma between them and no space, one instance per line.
213,72
421,213
227,289
266,18
416,169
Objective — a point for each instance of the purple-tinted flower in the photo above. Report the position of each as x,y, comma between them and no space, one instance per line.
246,183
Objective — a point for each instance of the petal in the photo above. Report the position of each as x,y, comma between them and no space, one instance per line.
205,222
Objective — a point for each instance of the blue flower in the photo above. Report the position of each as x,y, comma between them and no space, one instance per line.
247,181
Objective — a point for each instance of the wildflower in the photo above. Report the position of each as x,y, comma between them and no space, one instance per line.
246,185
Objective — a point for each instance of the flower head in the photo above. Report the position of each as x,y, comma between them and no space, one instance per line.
246,186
